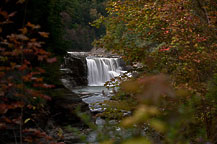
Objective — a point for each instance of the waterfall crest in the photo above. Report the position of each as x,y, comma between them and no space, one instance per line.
101,70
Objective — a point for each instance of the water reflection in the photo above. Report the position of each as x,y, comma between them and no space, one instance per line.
93,95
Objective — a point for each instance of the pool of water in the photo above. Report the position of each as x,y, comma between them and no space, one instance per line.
93,96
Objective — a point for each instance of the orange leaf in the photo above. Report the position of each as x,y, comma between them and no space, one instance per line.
20,1
3,108
32,25
38,79
44,34
23,30
4,13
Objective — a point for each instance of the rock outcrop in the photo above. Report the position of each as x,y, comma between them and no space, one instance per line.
74,70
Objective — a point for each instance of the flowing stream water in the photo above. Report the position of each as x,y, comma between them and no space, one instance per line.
100,70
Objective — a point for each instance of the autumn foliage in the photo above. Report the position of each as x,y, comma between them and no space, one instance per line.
176,38
21,80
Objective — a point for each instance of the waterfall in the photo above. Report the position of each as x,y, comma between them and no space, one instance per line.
101,70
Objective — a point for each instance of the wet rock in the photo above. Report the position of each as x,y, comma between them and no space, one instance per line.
124,66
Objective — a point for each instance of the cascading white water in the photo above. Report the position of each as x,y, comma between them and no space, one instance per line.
101,70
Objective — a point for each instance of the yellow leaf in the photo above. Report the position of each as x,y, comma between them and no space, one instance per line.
130,86
28,119
60,132
141,115
158,125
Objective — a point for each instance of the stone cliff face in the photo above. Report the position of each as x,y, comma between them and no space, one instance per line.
74,70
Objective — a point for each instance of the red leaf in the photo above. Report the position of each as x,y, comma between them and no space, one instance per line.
7,120
166,49
23,67
40,58
40,70
52,60
3,108
46,97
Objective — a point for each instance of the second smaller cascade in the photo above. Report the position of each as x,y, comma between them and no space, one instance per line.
101,70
